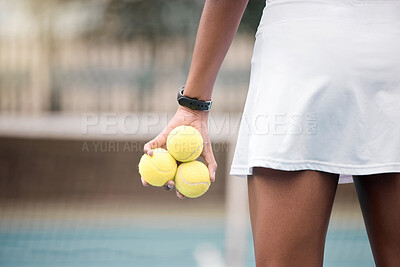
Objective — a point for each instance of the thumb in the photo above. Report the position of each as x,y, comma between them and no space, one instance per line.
159,141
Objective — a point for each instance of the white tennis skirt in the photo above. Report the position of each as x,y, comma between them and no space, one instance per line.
324,90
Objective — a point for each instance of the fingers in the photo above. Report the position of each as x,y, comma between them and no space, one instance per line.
169,185
179,195
144,183
209,158
159,141
212,169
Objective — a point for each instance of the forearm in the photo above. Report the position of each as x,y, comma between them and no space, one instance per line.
218,25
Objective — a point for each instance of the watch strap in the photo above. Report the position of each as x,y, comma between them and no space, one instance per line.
192,103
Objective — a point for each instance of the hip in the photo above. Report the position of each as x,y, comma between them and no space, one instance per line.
355,12
344,39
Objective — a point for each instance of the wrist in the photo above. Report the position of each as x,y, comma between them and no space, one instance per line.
192,112
190,115
192,103
194,93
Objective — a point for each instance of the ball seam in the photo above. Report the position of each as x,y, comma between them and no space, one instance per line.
173,135
158,168
193,152
186,182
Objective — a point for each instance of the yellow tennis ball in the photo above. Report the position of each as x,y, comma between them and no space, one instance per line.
185,143
158,169
192,179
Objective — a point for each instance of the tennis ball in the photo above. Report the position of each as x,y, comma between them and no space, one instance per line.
158,169
192,179
185,143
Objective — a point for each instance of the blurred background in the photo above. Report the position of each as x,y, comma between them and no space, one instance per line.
83,85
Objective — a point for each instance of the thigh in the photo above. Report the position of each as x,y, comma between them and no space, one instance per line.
379,197
290,213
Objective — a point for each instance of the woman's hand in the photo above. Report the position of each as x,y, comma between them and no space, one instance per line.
196,119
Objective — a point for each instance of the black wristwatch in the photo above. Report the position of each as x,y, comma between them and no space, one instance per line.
192,103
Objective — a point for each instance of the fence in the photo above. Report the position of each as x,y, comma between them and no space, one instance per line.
54,57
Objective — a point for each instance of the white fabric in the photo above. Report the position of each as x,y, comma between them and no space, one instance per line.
324,90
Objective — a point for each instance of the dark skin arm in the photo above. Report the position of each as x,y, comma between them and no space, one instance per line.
218,25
